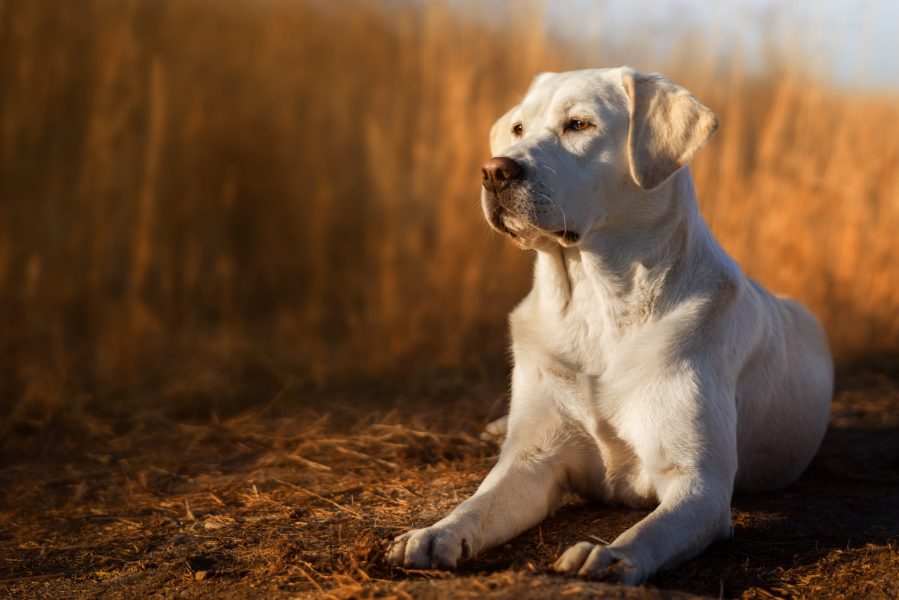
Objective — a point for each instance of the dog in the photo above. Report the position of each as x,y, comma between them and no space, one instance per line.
648,369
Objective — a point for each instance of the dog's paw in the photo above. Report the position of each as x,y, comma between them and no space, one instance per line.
429,548
496,430
597,561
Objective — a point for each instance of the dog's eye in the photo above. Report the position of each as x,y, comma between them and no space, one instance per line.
576,124
517,129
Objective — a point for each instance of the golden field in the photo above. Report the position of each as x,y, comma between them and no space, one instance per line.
190,185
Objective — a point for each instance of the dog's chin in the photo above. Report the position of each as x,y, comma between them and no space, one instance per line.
528,235
521,237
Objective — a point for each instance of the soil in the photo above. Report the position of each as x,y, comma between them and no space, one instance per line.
301,497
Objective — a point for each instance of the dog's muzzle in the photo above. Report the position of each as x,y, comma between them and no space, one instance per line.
502,202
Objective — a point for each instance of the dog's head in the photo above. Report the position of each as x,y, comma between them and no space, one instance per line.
584,149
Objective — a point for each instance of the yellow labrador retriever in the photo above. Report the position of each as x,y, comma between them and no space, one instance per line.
649,370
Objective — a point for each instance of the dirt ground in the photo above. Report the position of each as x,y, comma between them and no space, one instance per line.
301,495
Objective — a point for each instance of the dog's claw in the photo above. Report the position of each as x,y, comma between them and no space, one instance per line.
397,550
572,559
597,561
429,548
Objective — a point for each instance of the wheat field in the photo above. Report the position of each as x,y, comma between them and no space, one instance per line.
192,191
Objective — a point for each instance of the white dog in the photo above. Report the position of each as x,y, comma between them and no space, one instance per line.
649,370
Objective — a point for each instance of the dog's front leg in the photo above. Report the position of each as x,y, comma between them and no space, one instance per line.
696,514
539,456
686,443
520,491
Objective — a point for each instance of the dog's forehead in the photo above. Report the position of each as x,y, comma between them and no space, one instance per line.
601,88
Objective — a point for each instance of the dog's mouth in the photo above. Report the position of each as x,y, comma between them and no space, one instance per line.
496,221
499,220
569,237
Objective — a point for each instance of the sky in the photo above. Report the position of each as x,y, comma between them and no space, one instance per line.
853,43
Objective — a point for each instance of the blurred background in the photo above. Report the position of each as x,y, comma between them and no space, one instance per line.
200,200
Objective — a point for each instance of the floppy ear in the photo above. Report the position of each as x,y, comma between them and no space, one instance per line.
501,133
668,126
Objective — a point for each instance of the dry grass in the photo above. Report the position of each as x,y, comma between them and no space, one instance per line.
187,187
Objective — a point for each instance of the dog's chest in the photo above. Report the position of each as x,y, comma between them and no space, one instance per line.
568,344
576,332
573,345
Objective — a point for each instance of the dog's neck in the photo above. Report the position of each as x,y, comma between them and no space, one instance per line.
632,266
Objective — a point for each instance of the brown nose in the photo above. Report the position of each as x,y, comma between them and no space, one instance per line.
499,171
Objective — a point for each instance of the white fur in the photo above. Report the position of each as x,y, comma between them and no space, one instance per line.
649,370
